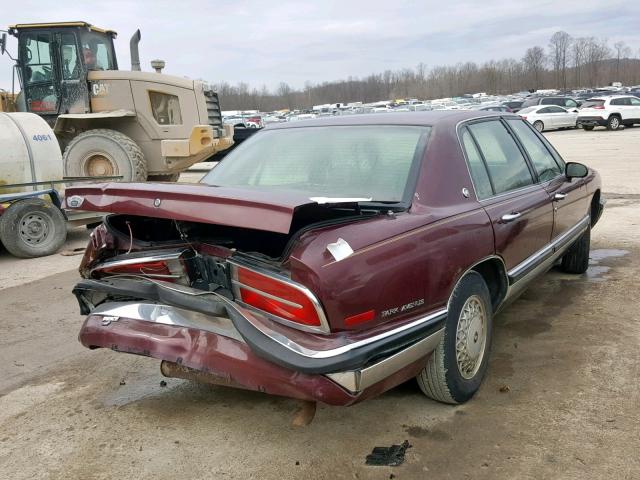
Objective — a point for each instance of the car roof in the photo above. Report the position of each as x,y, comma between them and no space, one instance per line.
428,118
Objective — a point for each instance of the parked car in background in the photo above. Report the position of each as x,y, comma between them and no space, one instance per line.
549,117
333,259
514,105
495,108
565,102
610,112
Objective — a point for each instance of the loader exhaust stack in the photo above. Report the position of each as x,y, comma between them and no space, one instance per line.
135,54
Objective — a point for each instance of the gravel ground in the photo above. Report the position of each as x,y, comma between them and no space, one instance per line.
560,399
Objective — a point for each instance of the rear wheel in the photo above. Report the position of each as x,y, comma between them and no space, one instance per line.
538,125
613,123
32,228
458,365
104,152
576,259
587,127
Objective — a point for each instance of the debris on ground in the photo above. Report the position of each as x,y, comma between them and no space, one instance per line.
504,388
74,251
388,456
163,383
122,382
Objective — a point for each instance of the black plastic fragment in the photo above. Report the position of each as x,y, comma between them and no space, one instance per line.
388,456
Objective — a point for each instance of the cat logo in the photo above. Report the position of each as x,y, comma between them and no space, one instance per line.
99,89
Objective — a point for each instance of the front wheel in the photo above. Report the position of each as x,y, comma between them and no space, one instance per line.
538,125
457,366
576,259
613,123
104,152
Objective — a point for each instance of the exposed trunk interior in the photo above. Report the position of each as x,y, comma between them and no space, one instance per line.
148,232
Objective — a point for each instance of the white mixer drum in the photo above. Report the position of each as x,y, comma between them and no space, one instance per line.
29,151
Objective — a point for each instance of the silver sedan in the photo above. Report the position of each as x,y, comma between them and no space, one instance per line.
549,117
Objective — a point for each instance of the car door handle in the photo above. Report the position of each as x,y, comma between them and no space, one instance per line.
559,196
510,217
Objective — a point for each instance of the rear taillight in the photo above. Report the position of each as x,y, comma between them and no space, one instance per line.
166,266
279,297
598,107
524,117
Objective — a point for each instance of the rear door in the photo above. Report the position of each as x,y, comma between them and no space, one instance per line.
635,104
519,209
568,197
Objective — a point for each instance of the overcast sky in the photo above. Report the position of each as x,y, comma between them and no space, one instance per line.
265,42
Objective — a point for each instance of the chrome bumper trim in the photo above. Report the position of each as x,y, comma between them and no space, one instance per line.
168,315
357,380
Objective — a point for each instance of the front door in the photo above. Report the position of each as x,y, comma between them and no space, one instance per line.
38,74
74,93
567,197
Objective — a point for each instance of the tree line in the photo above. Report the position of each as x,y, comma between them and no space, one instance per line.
566,63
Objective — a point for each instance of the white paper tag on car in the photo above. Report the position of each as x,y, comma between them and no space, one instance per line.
340,249
323,200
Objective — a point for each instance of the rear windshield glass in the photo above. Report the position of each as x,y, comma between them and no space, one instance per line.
527,110
335,161
592,102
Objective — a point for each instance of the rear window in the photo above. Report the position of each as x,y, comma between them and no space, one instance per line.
592,102
527,110
334,161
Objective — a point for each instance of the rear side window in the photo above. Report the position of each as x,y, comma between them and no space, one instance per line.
530,102
543,162
479,174
555,109
507,166
593,103
620,101
548,101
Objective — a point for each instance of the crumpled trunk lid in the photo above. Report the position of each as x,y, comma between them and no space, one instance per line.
271,211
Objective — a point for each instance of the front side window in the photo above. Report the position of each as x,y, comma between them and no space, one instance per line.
97,51
37,58
165,108
634,101
371,161
569,103
543,162
507,166
477,168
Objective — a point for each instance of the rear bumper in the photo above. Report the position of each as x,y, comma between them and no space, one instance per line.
592,121
231,343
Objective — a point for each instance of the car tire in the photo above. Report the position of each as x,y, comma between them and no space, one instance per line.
32,228
576,258
104,152
587,127
456,368
613,123
539,126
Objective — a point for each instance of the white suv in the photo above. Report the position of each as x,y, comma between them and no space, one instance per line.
610,112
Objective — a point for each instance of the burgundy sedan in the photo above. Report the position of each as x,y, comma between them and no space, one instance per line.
331,260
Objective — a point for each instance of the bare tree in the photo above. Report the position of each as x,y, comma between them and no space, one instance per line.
533,61
558,53
622,51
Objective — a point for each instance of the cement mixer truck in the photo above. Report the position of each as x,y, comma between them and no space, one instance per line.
109,122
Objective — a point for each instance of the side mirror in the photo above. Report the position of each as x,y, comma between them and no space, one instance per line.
575,170
3,43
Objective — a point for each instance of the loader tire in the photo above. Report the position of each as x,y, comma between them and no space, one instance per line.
32,228
103,152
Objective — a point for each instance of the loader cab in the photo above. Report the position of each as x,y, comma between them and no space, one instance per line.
53,61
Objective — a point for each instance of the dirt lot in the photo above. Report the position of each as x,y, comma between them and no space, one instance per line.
560,401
